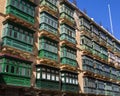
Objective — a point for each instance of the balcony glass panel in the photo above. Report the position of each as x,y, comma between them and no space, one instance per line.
88,61
103,35
104,53
118,60
99,68
107,71
89,83
117,47
95,30
109,41
111,55
113,73
96,47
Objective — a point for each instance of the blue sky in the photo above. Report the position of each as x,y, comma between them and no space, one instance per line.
98,9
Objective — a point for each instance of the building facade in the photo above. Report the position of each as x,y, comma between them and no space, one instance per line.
51,48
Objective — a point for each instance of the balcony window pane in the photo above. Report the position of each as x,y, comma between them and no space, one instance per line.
48,76
38,75
43,75
0,67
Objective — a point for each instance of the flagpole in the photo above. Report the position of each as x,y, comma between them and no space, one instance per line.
110,17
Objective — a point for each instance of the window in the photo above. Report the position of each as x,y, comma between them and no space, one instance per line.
48,76
53,77
104,51
17,70
23,6
15,34
23,71
38,75
86,41
9,32
63,79
0,67
12,69
1,60
57,78
28,72
7,68
48,46
38,69
95,30
85,23
107,69
100,85
96,47
76,81
67,80
43,75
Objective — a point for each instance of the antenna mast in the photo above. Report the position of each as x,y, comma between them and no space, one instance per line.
74,1
110,17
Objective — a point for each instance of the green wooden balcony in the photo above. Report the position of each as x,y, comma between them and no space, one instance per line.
84,28
13,80
113,76
68,38
15,72
47,84
69,61
68,56
100,92
96,53
49,4
98,71
87,48
47,54
115,93
21,10
70,88
105,57
48,28
48,47
88,68
110,47
117,50
90,90
106,74
17,44
109,93
66,16
19,14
